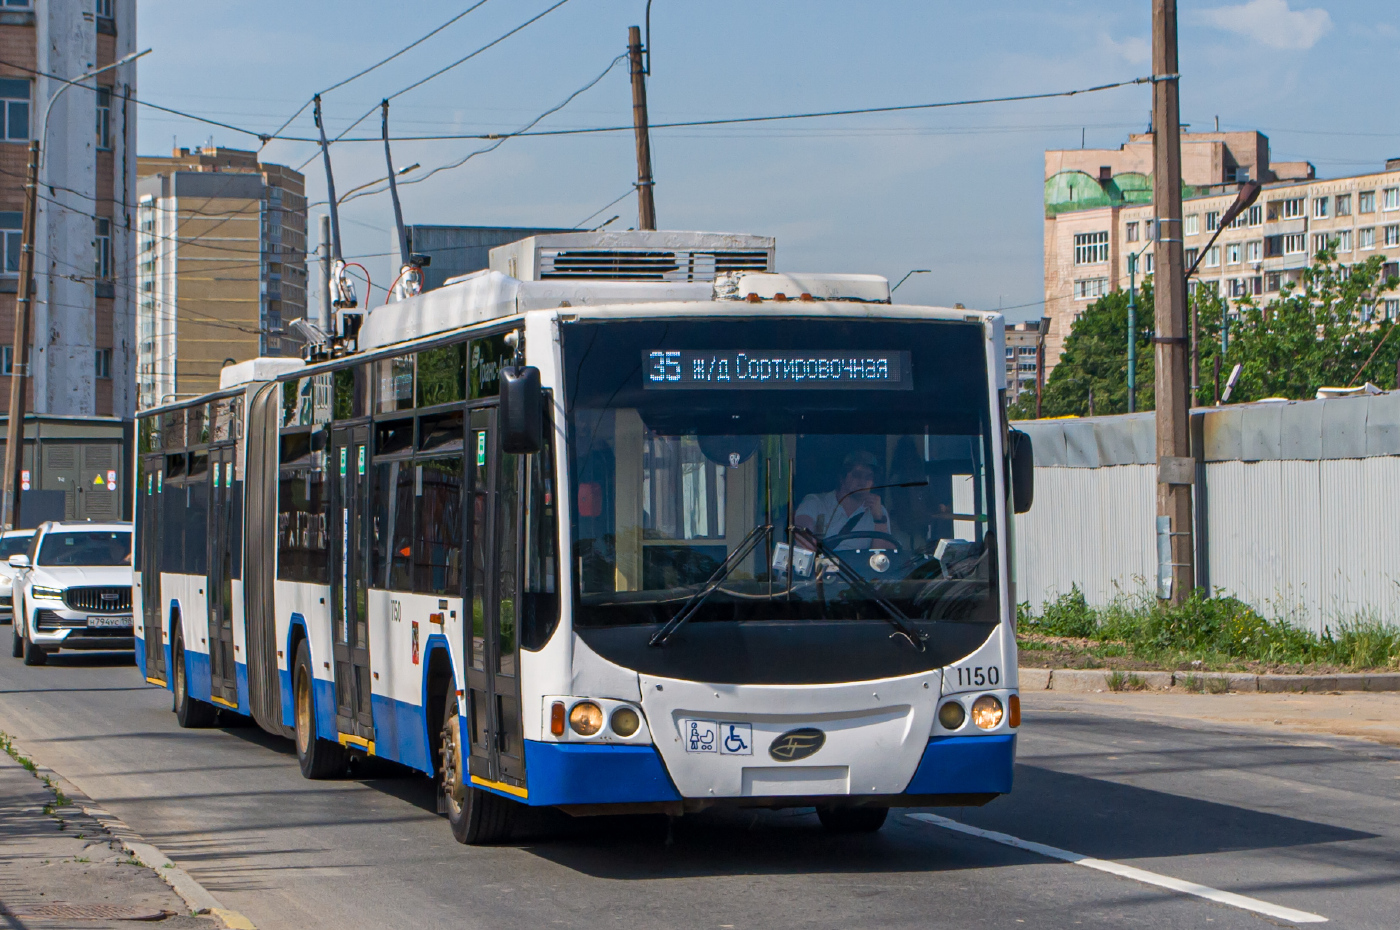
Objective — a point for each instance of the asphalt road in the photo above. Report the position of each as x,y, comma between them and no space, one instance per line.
1306,824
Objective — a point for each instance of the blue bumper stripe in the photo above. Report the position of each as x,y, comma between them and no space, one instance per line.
573,773
966,765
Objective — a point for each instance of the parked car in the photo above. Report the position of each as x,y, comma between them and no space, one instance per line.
72,590
12,542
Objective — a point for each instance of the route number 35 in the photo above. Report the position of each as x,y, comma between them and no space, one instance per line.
979,676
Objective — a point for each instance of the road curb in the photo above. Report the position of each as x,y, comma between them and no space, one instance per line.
199,899
1083,680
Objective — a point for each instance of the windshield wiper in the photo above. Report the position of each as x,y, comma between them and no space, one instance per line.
689,608
896,617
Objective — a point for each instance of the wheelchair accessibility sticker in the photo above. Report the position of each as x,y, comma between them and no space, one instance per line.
727,739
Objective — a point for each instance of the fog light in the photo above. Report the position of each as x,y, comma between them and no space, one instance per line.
986,712
625,722
1013,714
951,715
587,718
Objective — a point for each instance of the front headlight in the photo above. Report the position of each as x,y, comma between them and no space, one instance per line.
38,590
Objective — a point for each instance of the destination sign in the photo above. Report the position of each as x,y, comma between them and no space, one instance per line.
760,369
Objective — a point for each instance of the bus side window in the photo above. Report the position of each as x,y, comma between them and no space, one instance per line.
197,515
539,613
172,515
302,543
437,543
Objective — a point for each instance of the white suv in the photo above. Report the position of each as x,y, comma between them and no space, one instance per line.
12,542
72,590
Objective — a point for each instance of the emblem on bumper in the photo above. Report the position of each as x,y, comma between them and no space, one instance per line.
797,744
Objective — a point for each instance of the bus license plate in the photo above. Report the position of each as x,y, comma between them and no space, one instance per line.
107,623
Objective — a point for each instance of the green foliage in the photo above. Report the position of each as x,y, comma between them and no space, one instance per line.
1217,628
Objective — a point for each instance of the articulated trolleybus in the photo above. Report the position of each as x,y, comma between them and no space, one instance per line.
624,523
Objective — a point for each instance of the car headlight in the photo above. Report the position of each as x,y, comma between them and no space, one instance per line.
50,593
586,718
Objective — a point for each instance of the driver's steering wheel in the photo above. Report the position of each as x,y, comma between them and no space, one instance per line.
831,541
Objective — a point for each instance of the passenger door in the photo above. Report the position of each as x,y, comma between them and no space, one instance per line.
493,532
152,613
349,583
223,670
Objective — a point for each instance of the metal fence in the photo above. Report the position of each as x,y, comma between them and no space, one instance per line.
1295,508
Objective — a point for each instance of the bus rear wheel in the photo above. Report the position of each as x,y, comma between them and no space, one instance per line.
477,817
852,819
319,758
190,713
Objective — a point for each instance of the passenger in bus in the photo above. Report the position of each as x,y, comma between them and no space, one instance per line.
851,507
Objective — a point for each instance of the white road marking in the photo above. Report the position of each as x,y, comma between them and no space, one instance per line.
1127,871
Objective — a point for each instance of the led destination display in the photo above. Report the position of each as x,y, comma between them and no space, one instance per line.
758,369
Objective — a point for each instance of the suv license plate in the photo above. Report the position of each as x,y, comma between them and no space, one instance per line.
109,622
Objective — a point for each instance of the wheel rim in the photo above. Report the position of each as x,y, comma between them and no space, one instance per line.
452,788
303,696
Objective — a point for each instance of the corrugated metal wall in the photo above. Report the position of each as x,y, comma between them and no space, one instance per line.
1296,508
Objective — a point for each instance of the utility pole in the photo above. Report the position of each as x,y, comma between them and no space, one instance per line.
325,251
1132,333
646,206
1042,329
1176,469
14,432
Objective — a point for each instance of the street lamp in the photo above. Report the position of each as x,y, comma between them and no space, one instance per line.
398,174
1248,193
906,277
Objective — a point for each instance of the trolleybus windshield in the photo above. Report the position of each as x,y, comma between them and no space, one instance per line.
787,486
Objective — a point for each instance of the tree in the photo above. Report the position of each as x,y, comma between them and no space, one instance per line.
1095,359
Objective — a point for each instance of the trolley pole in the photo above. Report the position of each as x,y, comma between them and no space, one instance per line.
1176,469
14,431
646,206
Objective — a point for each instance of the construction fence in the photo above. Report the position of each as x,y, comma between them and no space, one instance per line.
1297,508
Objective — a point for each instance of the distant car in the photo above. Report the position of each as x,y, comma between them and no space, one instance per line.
72,590
12,542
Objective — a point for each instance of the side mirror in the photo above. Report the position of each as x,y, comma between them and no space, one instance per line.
19,560
1022,471
522,410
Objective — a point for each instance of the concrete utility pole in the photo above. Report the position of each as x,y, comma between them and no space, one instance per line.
646,206
325,251
24,298
1176,469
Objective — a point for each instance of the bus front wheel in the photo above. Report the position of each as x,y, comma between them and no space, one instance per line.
190,713
477,817
319,758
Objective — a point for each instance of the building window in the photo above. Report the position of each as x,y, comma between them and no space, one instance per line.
1390,270
1188,257
1192,224
1392,199
1254,251
1130,232
1392,308
1213,257
10,239
1272,281
1010,353
1292,209
1212,221
1344,204
1090,248
14,101
1392,236
1366,202
1295,244
1233,253
1320,242
1147,265
1027,351
104,117
1320,207
104,363
1366,238
102,248
1089,288
104,9
1239,287
1256,215
1344,240
1149,229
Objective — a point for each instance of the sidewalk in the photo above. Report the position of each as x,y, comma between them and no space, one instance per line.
1374,717
60,868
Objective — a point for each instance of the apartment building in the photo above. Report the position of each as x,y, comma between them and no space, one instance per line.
1098,212
1022,346
221,270
81,356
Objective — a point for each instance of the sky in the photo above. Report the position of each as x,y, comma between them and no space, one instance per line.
956,190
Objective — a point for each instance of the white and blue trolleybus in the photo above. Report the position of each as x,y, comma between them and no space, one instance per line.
626,522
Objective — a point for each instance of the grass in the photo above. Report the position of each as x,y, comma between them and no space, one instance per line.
1206,631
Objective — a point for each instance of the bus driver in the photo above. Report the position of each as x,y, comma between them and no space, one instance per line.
852,507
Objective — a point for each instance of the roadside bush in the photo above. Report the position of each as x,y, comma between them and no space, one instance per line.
1067,615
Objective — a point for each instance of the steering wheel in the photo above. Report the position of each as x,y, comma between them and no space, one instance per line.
831,541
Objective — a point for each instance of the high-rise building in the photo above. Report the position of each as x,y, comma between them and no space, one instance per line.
82,326
221,267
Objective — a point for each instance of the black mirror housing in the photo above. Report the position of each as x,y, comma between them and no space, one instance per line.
1022,459
522,410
